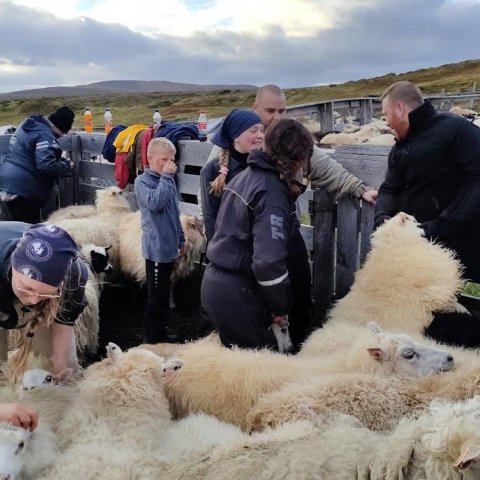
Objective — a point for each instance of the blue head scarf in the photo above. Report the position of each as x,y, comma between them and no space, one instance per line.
233,125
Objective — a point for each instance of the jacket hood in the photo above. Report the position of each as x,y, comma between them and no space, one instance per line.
35,123
261,160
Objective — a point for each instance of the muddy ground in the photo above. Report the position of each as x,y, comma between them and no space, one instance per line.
122,309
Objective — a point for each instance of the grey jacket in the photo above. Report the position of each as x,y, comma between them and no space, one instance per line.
328,174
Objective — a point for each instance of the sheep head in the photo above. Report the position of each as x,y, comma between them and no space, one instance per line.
13,442
400,354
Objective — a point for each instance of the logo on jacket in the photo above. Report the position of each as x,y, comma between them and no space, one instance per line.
276,226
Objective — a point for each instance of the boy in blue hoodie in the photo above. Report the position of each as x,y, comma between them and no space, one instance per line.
162,234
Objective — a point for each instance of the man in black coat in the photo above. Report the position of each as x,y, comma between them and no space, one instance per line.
433,173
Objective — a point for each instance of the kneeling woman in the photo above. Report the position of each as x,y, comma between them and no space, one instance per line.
246,286
42,280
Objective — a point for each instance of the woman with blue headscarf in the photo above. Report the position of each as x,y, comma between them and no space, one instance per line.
240,132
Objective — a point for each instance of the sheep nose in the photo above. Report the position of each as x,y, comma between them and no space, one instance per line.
5,476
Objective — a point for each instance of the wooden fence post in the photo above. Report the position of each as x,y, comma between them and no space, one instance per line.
323,253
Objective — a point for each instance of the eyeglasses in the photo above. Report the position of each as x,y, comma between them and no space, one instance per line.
30,293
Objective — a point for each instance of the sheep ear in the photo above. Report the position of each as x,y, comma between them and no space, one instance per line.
467,456
108,248
377,353
402,218
63,376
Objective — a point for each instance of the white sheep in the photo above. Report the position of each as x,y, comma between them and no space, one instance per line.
25,454
237,378
119,421
443,443
108,201
405,278
132,263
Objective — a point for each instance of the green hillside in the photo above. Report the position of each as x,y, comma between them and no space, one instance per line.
134,108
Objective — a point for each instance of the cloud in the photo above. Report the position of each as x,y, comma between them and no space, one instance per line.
301,47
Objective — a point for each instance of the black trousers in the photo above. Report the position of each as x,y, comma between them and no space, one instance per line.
157,309
234,308
23,210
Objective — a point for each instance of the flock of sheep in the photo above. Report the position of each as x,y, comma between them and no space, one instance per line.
378,132
360,400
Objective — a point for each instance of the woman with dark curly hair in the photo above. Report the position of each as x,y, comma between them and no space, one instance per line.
246,286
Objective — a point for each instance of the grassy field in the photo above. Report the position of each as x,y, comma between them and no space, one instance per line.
131,108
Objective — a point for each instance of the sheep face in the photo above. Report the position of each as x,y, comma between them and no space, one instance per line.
111,199
402,355
13,442
99,259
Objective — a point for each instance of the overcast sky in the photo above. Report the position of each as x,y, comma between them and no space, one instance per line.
293,43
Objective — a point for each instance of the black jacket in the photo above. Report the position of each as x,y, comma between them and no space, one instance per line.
434,175
209,172
255,224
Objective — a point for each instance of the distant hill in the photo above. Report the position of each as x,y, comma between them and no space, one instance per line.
119,86
130,104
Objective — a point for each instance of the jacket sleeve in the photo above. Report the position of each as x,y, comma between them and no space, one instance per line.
464,210
74,300
386,205
270,250
328,174
210,202
48,157
155,199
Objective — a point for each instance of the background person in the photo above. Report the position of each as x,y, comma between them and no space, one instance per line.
246,285
33,162
42,280
240,132
162,234
433,173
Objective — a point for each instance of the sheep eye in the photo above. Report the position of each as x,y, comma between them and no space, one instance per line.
48,378
20,447
409,354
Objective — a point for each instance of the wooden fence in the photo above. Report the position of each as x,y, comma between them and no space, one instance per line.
338,236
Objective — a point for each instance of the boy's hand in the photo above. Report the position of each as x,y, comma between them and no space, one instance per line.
170,167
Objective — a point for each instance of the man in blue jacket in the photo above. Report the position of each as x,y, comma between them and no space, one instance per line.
33,162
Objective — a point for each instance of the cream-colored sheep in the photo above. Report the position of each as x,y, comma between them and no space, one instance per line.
464,112
109,201
404,279
237,378
132,263
101,228
443,443
119,421
378,403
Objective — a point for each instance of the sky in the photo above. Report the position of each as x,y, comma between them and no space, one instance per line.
293,43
